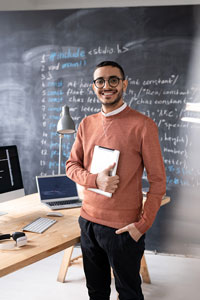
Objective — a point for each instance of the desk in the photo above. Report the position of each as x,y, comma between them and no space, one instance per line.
63,234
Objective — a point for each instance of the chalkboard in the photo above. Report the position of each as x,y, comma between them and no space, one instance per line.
47,60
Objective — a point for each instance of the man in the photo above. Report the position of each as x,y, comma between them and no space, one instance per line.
113,229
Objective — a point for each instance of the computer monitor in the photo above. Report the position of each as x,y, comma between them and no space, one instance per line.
11,184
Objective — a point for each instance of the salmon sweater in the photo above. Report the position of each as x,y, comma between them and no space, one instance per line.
136,137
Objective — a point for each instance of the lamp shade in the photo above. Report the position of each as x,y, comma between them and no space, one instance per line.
65,124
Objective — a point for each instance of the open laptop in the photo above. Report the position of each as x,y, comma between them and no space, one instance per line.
58,191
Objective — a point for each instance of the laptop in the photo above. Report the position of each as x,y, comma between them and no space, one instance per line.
58,191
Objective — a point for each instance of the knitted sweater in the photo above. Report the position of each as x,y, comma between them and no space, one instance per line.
136,137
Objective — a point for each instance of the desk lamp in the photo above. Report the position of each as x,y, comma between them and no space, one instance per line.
65,126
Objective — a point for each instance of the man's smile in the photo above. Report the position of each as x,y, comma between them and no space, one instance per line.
108,93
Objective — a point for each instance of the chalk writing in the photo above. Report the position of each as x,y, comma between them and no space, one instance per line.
70,52
102,50
161,98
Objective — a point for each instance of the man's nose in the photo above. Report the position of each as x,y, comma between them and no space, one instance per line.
107,85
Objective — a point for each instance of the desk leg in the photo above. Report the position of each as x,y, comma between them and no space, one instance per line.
66,261
65,264
144,271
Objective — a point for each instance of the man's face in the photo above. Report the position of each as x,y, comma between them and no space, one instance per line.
110,97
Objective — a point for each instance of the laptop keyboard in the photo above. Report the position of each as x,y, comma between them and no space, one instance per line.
39,225
65,202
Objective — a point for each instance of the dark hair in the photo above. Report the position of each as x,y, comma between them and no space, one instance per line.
112,64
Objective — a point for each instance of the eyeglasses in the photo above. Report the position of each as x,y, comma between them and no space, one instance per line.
113,81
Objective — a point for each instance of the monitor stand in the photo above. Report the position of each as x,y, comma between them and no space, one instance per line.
10,196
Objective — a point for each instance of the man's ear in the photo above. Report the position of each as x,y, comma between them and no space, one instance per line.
94,88
125,84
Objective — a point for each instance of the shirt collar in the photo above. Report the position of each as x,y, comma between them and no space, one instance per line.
114,112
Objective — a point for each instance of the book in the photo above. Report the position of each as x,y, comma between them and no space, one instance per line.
102,159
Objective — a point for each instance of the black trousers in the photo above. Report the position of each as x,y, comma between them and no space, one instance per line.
102,248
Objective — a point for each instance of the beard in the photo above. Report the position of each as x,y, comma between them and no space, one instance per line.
114,102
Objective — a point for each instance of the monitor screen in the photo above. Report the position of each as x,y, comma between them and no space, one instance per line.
10,172
56,187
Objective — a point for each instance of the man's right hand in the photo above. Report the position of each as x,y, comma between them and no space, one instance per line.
107,183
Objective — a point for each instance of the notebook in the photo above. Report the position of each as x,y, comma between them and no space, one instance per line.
58,191
102,159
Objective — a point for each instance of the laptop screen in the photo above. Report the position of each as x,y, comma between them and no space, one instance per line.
56,187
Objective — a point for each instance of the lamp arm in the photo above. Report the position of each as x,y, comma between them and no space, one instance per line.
60,153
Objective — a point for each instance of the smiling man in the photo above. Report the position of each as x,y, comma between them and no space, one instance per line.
109,90
113,229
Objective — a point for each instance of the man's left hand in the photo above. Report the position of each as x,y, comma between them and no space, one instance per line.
133,231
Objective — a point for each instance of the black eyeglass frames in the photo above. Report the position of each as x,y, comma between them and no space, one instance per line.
113,81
